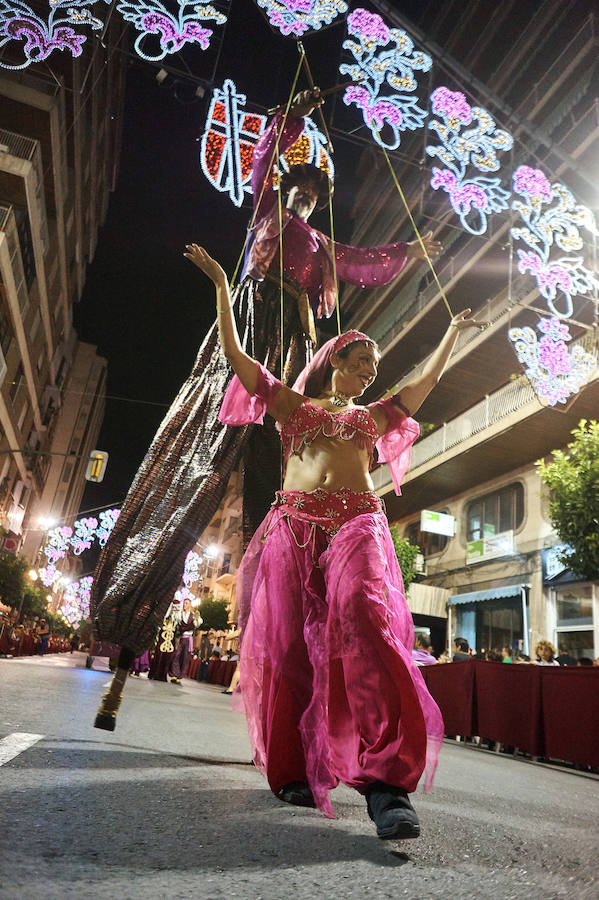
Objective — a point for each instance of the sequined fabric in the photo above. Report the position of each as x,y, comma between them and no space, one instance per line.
310,421
184,475
307,252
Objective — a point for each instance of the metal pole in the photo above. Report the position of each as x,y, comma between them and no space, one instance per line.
524,621
449,627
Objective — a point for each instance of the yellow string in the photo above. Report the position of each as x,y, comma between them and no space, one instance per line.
334,260
280,206
415,227
268,171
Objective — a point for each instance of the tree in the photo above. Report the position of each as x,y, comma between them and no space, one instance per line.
406,555
215,614
573,481
12,578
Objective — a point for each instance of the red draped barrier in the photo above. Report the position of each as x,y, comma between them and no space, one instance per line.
452,686
221,671
508,704
543,710
570,703
193,668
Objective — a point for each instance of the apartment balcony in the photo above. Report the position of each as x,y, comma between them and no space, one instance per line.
507,429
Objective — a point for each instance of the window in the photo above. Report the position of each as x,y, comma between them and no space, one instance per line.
575,632
495,513
428,542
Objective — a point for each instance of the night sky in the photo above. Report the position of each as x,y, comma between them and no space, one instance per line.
144,305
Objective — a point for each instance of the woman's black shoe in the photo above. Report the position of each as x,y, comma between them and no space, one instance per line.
298,793
391,811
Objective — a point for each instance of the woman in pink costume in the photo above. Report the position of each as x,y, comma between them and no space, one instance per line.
328,684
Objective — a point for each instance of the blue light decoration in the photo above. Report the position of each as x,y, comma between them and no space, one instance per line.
40,37
295,17
551,217
554,372
476,146
385,57
174,30
229,138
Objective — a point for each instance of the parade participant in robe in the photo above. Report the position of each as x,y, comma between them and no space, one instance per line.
184,475
328,683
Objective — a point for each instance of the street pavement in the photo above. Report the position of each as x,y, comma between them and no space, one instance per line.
169,805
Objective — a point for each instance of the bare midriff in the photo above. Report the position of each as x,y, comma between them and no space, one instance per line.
329,464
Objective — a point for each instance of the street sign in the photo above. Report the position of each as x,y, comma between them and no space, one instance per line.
96,466
438,523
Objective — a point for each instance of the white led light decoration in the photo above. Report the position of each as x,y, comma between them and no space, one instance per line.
173,30
473,197
295,17
385,58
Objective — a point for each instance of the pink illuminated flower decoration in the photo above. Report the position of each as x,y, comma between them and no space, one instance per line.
368,25
151,17
296,17
556,329
532,182
554,372
171,40
549,278
385,59
553,355
452,105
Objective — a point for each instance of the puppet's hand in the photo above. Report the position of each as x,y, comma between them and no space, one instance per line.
433,247
305,103
462,321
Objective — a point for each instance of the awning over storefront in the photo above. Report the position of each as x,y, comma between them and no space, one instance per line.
498,593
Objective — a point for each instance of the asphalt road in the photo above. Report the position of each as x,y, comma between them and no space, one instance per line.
170,806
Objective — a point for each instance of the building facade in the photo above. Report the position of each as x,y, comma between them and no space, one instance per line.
60,134
483,426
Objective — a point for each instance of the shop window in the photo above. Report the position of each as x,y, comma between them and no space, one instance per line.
574,620
495,513
428,542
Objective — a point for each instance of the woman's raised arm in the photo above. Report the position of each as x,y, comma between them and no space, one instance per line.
244,366
415,392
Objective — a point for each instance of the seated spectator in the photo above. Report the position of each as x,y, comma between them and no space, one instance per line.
214,655
494,656
520,657
225,656
585,661
545,653
421,654
234,657
506,655
460,651
217,649
565,658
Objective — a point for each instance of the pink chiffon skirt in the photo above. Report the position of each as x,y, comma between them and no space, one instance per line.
328,684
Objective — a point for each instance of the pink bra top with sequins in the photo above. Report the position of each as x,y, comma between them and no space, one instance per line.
310,421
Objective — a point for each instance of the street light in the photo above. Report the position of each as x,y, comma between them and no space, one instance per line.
211,552
33,574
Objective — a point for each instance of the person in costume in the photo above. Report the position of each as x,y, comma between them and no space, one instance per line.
183,650
183,477
328,684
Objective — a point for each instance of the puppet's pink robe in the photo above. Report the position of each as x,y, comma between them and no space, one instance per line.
328,684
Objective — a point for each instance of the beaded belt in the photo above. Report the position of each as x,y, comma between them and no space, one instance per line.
327,509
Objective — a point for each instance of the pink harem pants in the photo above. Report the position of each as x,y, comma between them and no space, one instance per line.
327,683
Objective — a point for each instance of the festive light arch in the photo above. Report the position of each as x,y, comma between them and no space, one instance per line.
39,37
174,30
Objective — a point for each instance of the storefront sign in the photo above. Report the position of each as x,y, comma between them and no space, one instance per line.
490,547
551,563
438,523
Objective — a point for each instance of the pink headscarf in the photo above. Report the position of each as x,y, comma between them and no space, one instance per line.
316,370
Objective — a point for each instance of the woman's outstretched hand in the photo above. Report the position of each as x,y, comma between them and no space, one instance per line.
461,321
433,247
202,259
